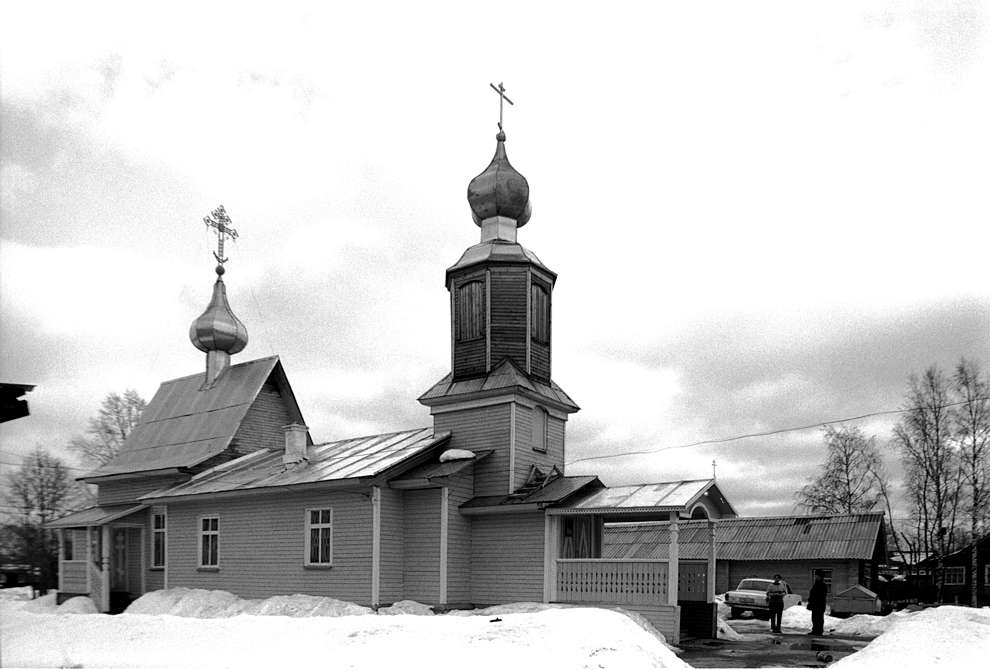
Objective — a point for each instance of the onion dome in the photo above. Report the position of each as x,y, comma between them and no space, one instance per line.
217,329
500,190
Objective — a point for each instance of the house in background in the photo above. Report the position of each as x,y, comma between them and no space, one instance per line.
221,485
846,548
958,575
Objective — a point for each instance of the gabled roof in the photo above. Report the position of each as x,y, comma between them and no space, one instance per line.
184,425
354,459
843,536
676,496
504,377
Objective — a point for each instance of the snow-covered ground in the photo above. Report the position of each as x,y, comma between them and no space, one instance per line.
192,628
947,636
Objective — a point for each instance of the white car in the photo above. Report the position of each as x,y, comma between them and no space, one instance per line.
751,594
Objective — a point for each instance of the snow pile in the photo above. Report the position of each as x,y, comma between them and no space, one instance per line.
456,455
17,593
44,604
799,616
78,605
724,611
868,625
407,607
727,632
512,608
203,604
564,638
954,637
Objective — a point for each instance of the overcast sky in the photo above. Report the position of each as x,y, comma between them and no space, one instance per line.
763,214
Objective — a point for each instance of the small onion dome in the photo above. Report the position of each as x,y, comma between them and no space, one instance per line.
217,329
500,190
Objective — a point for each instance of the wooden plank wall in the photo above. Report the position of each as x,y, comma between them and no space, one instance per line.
665,618
73,576
526,456
134,564
461,489
509,317
421,570
129,490
797,574
254,569
480,429
262,425
507,558
470,356
393,546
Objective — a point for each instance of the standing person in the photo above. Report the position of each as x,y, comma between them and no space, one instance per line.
775,601
816,603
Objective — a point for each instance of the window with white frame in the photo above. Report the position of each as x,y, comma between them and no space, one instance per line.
159,531
319,536
209,541
955,575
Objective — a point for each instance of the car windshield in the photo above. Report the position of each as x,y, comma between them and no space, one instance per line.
754,585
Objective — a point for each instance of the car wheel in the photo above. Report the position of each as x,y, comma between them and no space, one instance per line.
735,613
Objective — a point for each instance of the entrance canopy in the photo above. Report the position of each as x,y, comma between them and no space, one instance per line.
694,497
95,516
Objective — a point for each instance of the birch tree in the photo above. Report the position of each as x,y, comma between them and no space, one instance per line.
848,482
107,430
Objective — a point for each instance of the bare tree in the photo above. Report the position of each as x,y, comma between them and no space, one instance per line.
932,474
110,427
971,419
40,490
849,480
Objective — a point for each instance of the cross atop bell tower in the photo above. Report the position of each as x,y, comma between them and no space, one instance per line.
500,89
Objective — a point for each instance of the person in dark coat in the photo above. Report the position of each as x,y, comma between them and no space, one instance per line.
775,603
816,603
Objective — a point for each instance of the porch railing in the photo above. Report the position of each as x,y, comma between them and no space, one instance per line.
597,580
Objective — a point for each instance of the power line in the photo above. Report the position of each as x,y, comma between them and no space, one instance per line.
778,431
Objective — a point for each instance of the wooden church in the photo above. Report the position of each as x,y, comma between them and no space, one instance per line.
221,486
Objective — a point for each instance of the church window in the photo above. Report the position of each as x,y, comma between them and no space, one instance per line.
539,305
158,540
540,429
319,537
471,310
209,541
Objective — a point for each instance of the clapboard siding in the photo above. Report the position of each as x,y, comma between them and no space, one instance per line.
461,489
508,315
539,356
129,490
262,545
421,572
665,618
507,558
392,546
480,429
469,358
262,427
526,439
73,576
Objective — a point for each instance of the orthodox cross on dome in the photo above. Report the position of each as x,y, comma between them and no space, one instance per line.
219,221
500,89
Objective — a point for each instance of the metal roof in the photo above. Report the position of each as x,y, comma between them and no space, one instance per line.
436,469
498,251
557,490
661,496
333,461
95,516
504,376
846,536
184,424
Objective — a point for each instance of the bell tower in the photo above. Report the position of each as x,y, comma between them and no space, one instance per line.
499,394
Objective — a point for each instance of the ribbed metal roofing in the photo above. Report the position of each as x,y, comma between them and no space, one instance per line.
848,536
345,459
661,496
184,425
95,516
557,490
504,376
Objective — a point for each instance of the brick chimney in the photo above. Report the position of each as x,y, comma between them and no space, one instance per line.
295,444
